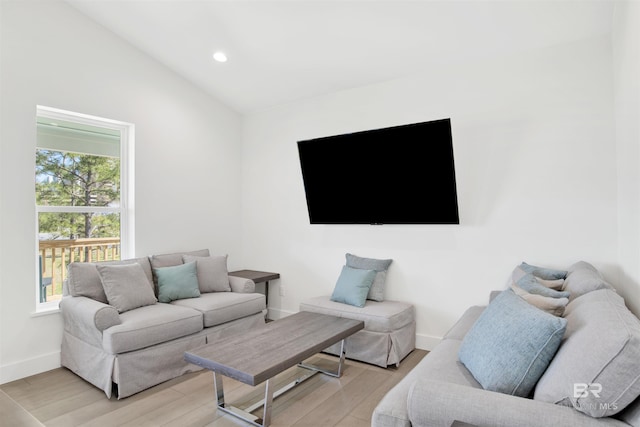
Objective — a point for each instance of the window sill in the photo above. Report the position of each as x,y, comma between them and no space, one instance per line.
46,309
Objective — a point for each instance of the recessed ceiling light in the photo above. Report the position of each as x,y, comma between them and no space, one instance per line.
220,57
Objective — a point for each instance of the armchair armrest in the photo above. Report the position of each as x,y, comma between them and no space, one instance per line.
438,403
86,318
240,284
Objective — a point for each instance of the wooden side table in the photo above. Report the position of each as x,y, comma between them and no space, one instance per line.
258,277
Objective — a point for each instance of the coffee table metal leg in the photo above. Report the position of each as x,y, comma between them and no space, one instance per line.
341,363
245,414
337,373
268,400
219,390
269,394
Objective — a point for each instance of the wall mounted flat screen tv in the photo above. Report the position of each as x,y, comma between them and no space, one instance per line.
397,175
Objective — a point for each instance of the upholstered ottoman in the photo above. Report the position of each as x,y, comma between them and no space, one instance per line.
389,332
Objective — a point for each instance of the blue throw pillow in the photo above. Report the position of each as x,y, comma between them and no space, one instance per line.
511,344
178,282
353,286
543,273
529,283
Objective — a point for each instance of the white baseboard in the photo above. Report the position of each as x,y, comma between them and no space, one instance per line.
423,342
26,368
276,313
427,342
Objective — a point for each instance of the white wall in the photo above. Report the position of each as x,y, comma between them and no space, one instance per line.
187,157
626,69
535,156
539,176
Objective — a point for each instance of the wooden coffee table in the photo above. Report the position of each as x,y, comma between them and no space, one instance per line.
260,354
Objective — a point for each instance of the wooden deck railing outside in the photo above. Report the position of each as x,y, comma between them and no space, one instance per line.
56,255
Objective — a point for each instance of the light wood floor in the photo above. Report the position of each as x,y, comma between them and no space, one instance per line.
60,398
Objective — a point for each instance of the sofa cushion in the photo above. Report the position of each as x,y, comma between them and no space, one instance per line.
223,307
631,414
511,344
464,323
150,325
177,282
440,364
386,316
213,275
376,293
83,279
126,286
583,278
613,369
353,286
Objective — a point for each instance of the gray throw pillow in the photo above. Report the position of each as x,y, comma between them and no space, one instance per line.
83,279
582,279
376,293
555,284
171,260
543,272
511,344
551,305
213,275
126,286
596,379
529,283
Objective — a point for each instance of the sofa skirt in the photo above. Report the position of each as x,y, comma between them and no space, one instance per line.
138,370
389,333
379,348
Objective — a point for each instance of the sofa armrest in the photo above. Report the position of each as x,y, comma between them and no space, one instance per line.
86,318
240,284
437,403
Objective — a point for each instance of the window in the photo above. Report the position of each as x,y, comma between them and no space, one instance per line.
84,197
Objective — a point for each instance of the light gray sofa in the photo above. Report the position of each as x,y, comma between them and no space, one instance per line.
126,352
600,331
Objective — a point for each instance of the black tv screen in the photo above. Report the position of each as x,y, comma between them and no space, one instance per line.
396,175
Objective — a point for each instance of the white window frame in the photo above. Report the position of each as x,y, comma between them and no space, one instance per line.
127,187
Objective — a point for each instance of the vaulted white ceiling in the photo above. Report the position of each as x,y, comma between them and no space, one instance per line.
280,51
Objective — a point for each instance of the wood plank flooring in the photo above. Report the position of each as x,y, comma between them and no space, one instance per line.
60,398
